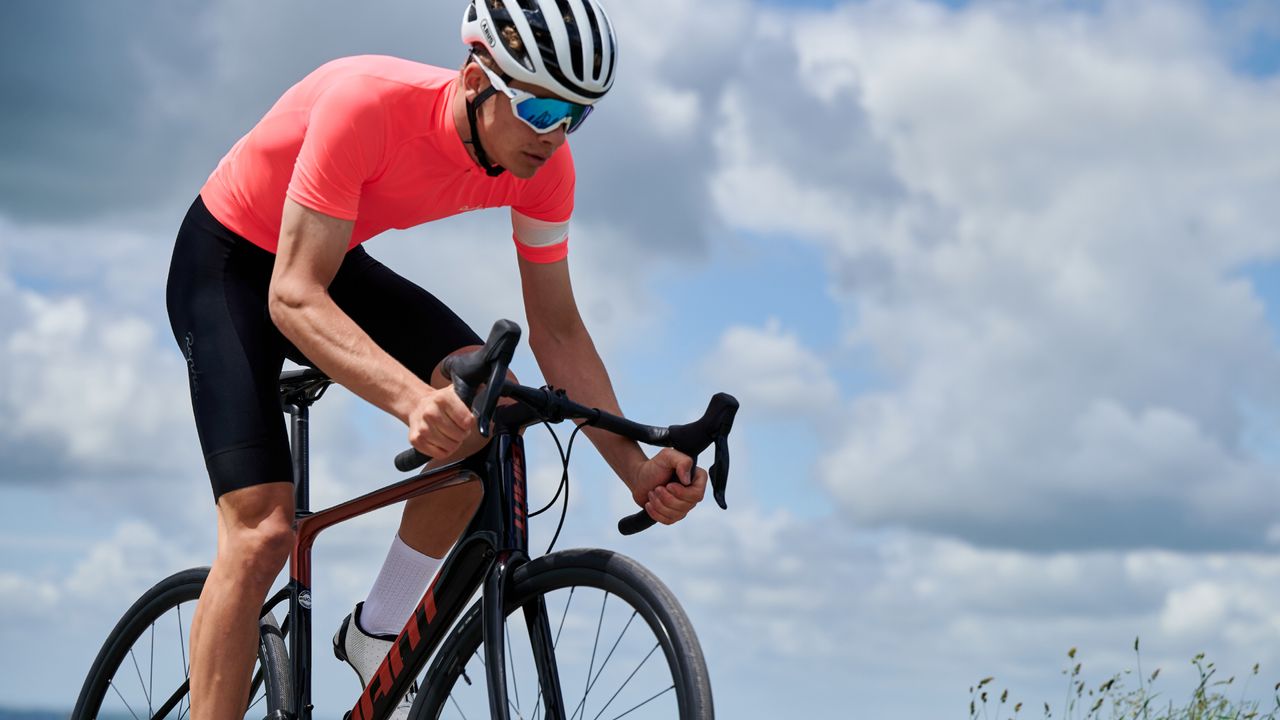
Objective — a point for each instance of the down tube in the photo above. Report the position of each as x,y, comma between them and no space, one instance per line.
441,605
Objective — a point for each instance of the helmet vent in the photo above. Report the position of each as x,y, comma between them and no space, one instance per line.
597,43
542,37
575,35
607,30
509,33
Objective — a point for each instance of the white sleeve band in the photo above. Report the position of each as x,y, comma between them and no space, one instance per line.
538,233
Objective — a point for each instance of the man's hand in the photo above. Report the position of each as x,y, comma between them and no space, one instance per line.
439,422
668,503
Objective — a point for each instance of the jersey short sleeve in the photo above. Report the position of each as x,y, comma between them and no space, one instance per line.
540,220
342,148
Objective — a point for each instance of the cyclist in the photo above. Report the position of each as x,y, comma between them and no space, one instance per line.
268,264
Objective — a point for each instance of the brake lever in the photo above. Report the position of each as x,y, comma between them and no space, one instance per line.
692,439
496,356
492,393
719,471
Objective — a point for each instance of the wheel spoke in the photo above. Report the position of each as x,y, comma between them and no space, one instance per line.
126,702
627,681
151,668
175,700
256,682
646,702
182,641
457,706
564,614
605,663
141,683
595,645
511,663
186,668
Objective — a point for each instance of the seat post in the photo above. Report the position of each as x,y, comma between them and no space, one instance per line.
299,389
300,450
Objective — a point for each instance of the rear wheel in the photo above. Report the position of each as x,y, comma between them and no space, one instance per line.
623,647
142,670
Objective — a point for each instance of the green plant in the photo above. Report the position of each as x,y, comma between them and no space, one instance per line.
1113,700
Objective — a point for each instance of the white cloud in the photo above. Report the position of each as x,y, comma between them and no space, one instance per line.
1195,611
23,597
126,564
772,372
1039,233
86,387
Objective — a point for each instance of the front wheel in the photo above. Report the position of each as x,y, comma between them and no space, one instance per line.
142,670
622,647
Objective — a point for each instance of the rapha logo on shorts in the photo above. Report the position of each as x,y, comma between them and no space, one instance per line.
190,351
488,33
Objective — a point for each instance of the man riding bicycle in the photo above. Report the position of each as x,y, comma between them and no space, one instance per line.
268,264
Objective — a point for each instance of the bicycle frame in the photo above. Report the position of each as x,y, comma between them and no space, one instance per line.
494,544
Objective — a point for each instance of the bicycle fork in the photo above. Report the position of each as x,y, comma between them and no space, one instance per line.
493,603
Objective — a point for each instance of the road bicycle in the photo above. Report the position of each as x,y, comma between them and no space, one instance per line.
576,634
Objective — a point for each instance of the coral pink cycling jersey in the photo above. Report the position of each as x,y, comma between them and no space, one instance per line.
372,139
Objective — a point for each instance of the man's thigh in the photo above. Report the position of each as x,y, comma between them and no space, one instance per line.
217,308
411,324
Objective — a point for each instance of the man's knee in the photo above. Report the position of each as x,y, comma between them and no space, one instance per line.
265,547
258,523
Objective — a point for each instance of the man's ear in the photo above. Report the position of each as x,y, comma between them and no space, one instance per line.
472,80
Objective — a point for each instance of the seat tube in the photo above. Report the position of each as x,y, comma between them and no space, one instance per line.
300,561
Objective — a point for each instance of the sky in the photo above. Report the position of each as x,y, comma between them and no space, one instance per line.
997,284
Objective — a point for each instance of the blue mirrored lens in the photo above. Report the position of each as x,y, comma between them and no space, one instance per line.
547,113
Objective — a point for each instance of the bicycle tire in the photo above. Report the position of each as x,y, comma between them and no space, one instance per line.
615,575
273,677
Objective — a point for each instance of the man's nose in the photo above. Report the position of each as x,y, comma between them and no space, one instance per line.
555,138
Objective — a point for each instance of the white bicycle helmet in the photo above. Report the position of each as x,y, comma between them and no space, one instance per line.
565,46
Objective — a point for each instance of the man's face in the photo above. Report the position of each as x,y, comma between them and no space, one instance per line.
508,140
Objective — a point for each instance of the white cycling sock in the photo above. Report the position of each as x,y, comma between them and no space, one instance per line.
398,589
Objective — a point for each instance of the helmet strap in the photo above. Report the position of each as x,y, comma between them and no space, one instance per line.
481,156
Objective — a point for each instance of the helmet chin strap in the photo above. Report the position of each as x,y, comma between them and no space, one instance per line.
481,156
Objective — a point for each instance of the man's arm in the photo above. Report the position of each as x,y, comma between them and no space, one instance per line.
312,246
568,359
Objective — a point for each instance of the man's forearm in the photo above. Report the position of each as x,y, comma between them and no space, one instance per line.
572,363
332,340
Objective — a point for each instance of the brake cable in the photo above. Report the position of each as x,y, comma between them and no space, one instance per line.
564,480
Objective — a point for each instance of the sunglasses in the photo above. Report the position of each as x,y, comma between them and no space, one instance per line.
544,115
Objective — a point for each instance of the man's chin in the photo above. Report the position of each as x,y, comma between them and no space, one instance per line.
524,172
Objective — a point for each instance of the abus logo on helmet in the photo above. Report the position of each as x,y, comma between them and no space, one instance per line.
488,33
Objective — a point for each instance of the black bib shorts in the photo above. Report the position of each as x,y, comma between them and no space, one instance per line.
217,300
